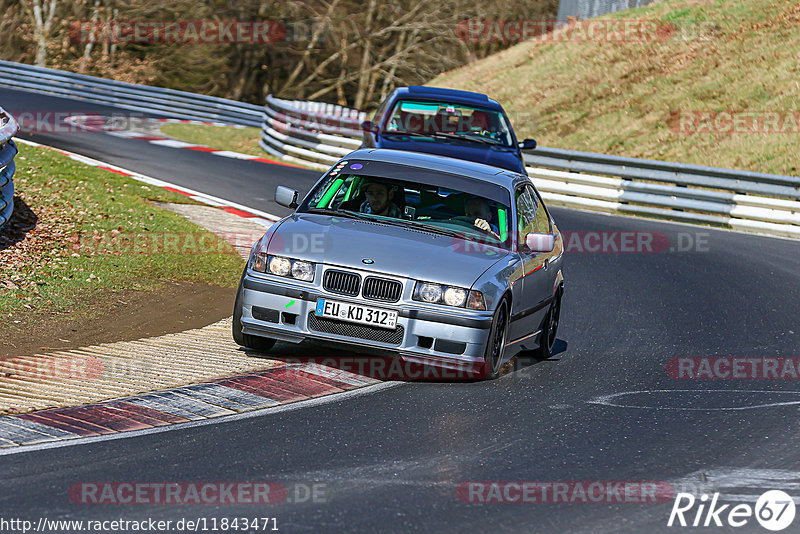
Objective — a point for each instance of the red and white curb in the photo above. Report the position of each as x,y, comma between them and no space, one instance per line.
297,384
97,123
257,216
207,400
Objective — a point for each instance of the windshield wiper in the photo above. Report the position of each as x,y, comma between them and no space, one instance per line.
463,137
439,229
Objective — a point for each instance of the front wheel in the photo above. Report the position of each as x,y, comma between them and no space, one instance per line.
259,343
547,339
496,343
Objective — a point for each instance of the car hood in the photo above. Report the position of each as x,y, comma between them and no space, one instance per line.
400,251
505,159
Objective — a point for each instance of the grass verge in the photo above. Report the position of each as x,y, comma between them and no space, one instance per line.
80,232
244,140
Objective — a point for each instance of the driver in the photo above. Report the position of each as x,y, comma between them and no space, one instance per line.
478,209
379,197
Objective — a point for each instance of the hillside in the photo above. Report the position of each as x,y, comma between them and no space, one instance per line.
644,99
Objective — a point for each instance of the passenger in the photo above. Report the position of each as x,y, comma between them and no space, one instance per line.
478,209
379,197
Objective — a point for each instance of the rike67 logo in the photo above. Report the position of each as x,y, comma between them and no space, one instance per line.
774,510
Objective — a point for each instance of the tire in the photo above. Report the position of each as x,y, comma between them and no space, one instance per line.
547,339
262,344
495,344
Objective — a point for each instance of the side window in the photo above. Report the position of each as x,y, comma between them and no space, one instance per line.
381,111
542,224
526,214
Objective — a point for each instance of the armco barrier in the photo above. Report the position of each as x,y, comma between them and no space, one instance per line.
317,135
144,98
8,127
311,133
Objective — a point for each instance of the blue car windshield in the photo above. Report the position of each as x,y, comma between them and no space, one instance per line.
479,212
426,119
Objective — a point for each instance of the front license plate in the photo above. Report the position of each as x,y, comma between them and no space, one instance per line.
356,313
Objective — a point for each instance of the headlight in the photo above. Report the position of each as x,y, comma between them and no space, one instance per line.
303,270
430,293
456,297
279,266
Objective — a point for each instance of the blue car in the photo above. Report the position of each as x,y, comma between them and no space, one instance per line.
446,122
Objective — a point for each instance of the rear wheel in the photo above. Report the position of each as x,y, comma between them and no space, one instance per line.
259,343
496,343
547,339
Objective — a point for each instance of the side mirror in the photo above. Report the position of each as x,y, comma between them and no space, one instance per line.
286,197
540,242
368,126
528,144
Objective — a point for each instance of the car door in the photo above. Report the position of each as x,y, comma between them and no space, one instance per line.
532,292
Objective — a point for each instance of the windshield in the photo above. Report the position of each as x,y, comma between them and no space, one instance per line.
474,212
426,119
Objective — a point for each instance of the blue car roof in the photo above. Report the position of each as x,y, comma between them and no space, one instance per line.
479,171
453,95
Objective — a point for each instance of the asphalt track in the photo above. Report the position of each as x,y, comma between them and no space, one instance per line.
391,460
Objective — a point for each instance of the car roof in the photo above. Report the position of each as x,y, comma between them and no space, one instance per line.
451,95
478,171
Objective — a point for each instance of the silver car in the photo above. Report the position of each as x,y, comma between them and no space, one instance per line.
434,260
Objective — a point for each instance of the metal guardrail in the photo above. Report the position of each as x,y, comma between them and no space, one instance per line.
318,135
313,134
8,149
144,98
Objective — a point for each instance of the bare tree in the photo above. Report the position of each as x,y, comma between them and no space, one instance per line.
43,16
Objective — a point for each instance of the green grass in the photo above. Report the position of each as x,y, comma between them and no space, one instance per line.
52,269
622,97
244,140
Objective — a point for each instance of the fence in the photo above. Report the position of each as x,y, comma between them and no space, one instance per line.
143,98
318,136
8,127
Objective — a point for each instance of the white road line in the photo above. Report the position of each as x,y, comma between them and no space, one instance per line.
172,143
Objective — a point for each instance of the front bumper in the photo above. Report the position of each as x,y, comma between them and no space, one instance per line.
285,311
